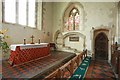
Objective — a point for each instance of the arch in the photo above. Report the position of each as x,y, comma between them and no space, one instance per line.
57,33
101,46
71,6
73,33
94,32
103,34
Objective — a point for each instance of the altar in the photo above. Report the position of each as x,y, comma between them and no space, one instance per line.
21,53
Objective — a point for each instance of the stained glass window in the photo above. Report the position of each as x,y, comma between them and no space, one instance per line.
72,23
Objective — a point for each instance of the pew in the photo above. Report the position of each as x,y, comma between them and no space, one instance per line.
52,76
85,53
115,58
74,63
113,54
115,61
81,56
67,69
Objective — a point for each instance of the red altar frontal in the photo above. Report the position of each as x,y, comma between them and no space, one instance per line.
21,53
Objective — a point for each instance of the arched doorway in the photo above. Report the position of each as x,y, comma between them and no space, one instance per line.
101,46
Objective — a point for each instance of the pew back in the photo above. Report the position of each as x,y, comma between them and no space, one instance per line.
115,58
65,71
52,76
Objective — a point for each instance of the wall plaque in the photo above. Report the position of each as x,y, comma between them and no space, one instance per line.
73,38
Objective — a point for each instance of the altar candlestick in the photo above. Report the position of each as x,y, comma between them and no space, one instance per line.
24,41
39,41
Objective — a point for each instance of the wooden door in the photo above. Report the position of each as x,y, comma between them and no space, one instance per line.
101,46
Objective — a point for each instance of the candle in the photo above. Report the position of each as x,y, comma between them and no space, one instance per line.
39,41
24,41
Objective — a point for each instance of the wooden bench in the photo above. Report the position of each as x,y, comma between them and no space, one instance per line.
52,76
67,69
115,58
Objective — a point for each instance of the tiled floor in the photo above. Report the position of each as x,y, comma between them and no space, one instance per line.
36,68
100,70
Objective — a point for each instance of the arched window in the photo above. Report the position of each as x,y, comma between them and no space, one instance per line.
73,20
73,17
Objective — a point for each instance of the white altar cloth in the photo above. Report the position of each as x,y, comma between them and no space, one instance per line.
26,46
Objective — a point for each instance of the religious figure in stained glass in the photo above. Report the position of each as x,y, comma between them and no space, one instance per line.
72,23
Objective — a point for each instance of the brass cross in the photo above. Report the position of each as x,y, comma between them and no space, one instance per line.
32,39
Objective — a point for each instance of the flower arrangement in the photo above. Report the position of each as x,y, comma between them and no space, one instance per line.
3,43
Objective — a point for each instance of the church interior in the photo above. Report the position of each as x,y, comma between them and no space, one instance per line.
51,40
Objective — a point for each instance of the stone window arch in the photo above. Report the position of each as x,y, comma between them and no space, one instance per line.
73,17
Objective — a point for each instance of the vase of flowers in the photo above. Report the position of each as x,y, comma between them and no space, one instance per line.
4,48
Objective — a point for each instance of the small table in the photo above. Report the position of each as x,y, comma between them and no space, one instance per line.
21,53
